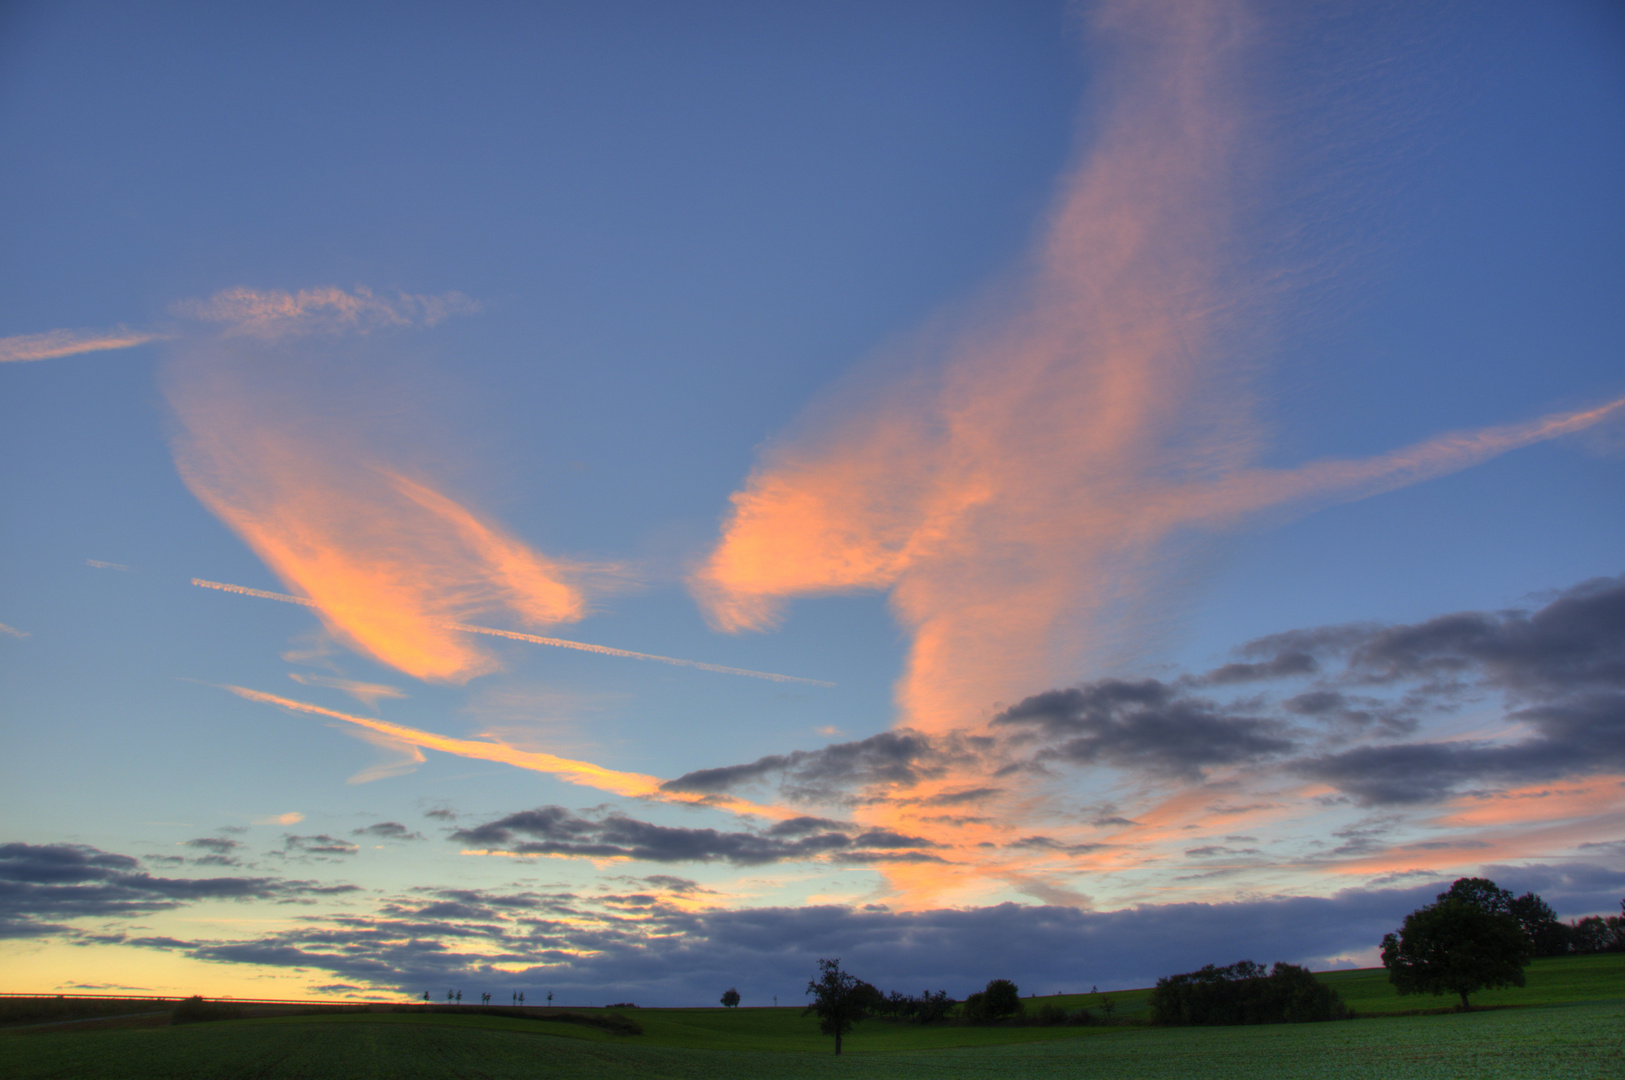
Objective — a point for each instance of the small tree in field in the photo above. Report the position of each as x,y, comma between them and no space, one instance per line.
840,999
730,1000
1465,942
1001,999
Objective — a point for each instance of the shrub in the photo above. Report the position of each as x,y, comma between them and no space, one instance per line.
928,1008
1244,994
998,1001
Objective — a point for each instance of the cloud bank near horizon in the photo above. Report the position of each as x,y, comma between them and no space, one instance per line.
1349,732
659,940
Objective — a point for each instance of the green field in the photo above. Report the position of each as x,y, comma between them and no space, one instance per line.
1568,1022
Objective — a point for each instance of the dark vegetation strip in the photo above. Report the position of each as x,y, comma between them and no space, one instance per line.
612,1022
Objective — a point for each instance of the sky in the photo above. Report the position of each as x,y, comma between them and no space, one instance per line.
628,500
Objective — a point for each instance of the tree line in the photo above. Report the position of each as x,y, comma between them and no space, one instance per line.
1474,936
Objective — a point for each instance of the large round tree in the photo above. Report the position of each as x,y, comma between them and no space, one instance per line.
1456,945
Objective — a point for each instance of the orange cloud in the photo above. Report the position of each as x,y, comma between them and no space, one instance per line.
1539,802
584,773
575,772
996,493
54,343
1017,492
388,562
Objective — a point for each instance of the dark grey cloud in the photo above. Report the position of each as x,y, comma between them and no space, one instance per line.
221,851
1049,843
387,830
1575,736
657,955
1285,664
217,845
902,757
630,946
42,884
1560,671
1211,851
318,845
801,826
960,796
553,830
1147,725
1576,643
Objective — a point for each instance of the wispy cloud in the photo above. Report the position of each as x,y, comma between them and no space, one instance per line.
364,692
512,635
386,561
1017,488
12,631
584,773
1319,483
273,313
399,758
55,343
292,817
98,564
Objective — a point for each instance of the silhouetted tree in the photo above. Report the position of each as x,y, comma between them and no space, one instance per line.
1244,993
1481,893
1539,921
1467,941
840,999
730,999
1001,999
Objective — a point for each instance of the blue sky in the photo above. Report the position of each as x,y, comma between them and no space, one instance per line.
984,361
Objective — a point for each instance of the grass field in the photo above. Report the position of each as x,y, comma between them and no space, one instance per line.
1570,1022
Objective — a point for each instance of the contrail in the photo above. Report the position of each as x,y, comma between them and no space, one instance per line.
562,643
609,651
244,590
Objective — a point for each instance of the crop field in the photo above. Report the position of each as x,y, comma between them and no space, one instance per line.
1568,1022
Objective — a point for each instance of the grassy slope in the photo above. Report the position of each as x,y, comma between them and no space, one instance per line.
1546,982
46,1010
1552,1042
1574,1030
